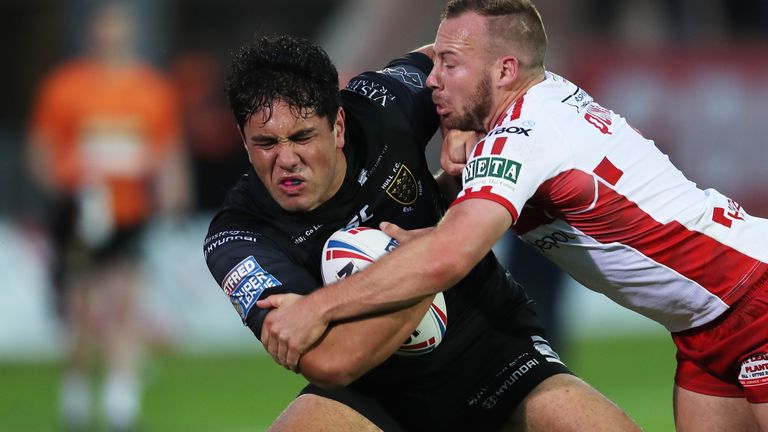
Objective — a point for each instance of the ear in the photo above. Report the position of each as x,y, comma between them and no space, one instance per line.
245,144
508,70
339,127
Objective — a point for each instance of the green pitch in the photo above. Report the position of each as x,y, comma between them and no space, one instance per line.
245,392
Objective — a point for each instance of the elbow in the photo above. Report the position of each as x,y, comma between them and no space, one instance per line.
329,374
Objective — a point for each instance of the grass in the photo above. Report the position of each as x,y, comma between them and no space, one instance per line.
245,392
636,373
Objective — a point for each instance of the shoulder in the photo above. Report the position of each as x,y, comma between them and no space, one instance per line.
542,113
406,74
67,77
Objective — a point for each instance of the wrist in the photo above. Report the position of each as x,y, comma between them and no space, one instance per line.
320,302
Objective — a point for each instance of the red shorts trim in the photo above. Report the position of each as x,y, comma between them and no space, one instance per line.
729,356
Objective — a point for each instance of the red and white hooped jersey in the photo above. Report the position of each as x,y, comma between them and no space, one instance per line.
589,192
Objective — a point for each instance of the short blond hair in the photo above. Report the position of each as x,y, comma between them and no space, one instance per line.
511,23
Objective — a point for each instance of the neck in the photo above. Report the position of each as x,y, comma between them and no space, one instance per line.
508,97
114,58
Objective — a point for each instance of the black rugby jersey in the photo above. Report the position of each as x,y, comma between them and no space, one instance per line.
389,120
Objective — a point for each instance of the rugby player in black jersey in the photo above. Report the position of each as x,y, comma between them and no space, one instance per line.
324,160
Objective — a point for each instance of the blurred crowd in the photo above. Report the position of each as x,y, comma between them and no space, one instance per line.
114,116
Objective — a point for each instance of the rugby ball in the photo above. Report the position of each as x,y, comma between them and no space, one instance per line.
348,251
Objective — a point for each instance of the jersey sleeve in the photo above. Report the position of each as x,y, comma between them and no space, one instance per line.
511,163
402,85
249,267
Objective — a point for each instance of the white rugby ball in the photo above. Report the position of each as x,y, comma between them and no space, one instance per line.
351,250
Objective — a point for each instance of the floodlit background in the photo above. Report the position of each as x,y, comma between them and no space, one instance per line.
690,74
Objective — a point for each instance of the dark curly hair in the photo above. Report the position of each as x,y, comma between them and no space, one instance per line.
282,69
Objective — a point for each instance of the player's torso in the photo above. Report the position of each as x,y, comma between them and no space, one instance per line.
389,180
607,206
111,131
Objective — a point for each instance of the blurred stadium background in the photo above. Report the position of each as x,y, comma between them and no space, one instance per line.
690,74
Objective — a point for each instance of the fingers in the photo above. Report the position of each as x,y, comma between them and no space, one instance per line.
452,168
456,149
271,302
392,230
402,235
452,159
292,359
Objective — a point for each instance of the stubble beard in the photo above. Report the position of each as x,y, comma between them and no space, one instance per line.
477,109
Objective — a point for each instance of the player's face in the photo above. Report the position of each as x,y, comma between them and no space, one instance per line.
299,160
460,80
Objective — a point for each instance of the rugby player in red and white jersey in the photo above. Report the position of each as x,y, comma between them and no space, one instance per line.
592,194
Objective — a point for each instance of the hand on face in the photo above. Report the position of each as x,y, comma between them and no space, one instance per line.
456,149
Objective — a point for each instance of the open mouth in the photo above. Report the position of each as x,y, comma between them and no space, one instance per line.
292,185
291,182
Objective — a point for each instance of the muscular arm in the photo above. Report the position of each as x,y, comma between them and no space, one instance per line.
423,266
350,349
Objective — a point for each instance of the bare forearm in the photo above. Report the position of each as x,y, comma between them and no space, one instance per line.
426,265
350,349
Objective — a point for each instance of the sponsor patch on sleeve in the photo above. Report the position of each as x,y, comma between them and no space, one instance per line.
245,283
374,91
492,169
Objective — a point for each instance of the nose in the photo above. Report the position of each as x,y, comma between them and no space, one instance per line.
287,158
432,81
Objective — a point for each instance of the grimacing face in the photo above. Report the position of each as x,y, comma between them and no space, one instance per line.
299,160
460,79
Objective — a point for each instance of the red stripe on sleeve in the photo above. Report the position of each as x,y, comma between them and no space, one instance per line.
478,148
498,145
485,193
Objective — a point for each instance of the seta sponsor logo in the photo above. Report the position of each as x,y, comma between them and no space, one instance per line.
511,130
492,166
243,269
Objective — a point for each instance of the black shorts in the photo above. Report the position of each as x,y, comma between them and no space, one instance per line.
360,402
71,255
477,393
